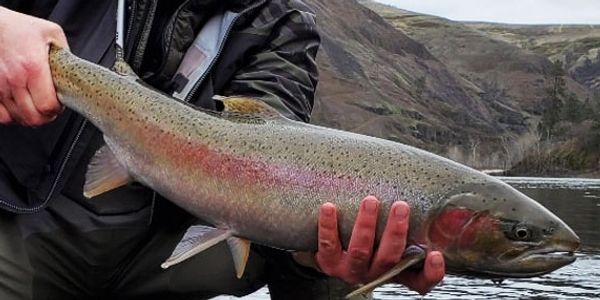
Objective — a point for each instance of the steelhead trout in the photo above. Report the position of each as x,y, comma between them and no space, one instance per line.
257,176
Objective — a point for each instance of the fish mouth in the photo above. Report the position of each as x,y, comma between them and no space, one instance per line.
553,258
539,262
531,264
535,261
560,255
561,250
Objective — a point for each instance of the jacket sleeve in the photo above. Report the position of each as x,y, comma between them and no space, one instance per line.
288,280
284,74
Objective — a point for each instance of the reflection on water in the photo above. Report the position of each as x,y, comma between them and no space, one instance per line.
577,202
576,281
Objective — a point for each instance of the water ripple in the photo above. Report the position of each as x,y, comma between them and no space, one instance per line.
577,281
577,202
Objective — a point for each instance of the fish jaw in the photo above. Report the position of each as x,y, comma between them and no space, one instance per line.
493,230
539,259
528,260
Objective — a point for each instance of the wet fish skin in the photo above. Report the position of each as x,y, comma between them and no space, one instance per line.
264,177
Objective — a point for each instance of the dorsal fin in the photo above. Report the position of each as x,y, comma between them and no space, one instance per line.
246,110
249,106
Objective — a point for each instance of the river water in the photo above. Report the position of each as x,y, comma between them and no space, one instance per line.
577,202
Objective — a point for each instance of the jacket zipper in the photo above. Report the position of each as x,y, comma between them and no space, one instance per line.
56,180
66,159
139,49
136,54
77,137
196,86
83,125
210,66
130,25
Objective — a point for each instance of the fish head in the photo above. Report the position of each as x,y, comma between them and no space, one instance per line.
491,230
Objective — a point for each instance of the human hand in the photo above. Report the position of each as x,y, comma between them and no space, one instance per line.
27,94
358,264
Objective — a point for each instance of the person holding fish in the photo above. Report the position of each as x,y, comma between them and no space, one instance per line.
56,244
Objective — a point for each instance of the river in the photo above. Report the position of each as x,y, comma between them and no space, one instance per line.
577,202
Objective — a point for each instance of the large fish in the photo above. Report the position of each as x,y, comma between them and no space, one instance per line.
257,176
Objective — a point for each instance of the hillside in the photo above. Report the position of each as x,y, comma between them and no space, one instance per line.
378,81
465,91
577,46
481,58
526,81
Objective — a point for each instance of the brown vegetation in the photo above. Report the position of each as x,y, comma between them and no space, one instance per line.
463,90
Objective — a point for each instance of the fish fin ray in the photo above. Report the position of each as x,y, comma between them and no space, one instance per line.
404,263
120,66
248,105
248,110
240,250
104,174
195,240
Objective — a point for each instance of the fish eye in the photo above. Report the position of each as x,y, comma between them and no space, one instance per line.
521,232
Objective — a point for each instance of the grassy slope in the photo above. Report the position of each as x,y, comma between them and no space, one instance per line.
513,59
378,81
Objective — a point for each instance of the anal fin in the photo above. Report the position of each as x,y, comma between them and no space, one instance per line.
407,261
104,173
240,250
196,239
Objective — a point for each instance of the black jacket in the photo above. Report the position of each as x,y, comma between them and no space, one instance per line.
268,52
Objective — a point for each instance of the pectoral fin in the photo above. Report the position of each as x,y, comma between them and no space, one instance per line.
104,173
196,239
240,250
406,262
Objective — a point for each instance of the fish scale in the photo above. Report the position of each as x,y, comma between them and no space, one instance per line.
313,155
258,176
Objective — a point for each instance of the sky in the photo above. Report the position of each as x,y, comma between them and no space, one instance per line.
508,11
